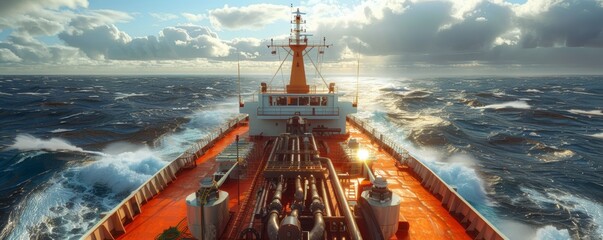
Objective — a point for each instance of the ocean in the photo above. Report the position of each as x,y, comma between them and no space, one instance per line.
524,151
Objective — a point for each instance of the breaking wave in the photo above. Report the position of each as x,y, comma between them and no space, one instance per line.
512,104
584,112
26,142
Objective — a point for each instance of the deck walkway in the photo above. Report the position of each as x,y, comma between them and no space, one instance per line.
168,207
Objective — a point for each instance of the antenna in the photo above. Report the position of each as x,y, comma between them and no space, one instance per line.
357,79
239,79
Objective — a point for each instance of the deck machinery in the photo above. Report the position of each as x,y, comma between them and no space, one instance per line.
301,197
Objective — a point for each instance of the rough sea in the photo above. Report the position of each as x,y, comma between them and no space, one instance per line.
527,152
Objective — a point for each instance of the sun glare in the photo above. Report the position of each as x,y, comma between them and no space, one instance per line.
363,154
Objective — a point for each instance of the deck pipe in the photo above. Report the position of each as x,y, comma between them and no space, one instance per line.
325,198
299,190
223,178
353,230
369,172
316,207
290,227
275,208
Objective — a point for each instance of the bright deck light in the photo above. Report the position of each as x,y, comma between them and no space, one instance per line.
363,154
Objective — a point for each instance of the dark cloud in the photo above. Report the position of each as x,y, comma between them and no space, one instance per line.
478,30
570,23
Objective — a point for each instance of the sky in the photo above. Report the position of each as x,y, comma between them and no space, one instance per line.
210,36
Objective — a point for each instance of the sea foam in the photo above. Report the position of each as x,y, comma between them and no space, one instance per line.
512,104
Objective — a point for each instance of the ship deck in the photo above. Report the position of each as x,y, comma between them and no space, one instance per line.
426,216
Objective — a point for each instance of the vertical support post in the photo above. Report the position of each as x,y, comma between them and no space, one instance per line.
238,177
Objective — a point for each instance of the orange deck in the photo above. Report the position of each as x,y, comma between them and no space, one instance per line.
424,212
168,208
427,218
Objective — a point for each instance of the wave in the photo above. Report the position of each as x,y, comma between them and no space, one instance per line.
60,130
5,94
34,93
26,142
414,94
121,96
533,91
597,135
570,204
585,112
512,104
551,233
70,202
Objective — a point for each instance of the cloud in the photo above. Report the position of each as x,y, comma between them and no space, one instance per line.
179,42
10,8
562,23
98,41
7,55
253,16
194,17
95,18
31,51
164,16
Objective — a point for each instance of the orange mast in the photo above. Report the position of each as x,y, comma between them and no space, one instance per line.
298,42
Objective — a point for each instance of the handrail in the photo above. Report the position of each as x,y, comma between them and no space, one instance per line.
302,110
112,224
471,219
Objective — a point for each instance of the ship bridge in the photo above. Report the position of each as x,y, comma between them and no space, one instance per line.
319,107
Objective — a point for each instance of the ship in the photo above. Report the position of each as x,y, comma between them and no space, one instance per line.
296,164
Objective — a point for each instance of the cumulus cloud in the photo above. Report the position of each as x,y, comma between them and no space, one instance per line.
459,33
179,42
253,16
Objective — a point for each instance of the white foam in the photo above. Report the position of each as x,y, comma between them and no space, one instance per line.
33,93
6,94
552,233
122,172
26,142
127,95
73,115
597,135
585,112
512,104
570,202
533,91
60,130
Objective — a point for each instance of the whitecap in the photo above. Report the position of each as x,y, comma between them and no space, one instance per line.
585,112
33,93
512,104
551,233
127,95
533,91
6,94
597,135
60,130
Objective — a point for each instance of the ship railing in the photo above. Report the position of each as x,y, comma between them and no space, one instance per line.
465,213
314,89
112,223
290,111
